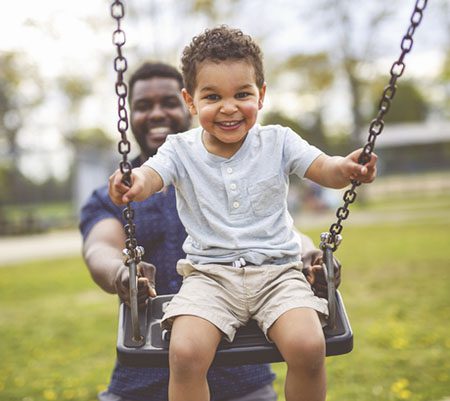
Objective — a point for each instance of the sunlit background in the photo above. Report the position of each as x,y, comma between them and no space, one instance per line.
326,64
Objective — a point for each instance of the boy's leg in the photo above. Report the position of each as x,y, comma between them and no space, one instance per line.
193,344
299,337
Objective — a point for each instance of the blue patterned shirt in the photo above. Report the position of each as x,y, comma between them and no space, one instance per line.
160,232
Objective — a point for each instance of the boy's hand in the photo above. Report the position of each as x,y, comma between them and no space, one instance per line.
354,171
337,172
120,193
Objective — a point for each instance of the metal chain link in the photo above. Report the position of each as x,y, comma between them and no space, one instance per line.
132,251
333,237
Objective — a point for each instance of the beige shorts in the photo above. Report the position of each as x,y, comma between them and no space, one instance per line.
229,296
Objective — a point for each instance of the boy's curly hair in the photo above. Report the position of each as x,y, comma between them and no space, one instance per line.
219,44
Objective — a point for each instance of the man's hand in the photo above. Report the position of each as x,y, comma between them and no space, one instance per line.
146,283
314,273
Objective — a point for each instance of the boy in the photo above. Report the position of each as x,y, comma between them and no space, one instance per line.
231,179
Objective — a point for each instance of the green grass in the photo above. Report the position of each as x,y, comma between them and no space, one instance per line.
396,287
415,202
57,329
44,211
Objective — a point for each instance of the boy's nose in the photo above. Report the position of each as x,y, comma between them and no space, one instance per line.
228,107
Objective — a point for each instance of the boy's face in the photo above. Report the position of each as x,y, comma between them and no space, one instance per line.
226,100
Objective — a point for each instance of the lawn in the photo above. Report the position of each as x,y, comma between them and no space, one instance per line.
396,287
58,329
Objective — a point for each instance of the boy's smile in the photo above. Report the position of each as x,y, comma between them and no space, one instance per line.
226,100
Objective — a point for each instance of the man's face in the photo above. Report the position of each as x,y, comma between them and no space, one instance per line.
157,110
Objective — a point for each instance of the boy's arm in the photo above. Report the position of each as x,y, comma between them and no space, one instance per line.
337,172
144,182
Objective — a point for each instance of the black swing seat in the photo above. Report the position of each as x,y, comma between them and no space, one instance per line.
249,346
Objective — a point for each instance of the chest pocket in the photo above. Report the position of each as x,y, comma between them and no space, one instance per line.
267,196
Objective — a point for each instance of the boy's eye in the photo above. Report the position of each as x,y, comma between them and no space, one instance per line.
242,95
212,97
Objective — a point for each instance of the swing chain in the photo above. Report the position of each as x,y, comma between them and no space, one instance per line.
133,253
333,237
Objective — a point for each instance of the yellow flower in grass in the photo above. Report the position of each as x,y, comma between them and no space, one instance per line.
443,377
399,343
82,392
400,389
69,394
19,381
49,395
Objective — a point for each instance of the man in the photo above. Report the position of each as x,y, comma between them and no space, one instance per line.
157,110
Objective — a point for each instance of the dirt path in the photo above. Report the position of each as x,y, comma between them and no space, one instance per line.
42,246
58,244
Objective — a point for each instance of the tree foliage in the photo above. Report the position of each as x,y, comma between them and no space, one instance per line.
19,93
93,137
408,104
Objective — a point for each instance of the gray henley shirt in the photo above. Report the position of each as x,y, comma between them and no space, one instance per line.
236,208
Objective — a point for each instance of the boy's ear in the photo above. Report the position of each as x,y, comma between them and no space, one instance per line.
189,100
262,93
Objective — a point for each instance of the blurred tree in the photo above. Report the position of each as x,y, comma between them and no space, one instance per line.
409,105
352,32
215,10
445,83
92,137
348,36
5,196
75,89
275,117
313,77
10,118
20,92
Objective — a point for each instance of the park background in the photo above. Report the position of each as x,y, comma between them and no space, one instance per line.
326,65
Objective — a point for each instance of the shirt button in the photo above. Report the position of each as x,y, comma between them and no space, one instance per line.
229,170
233,186
236,205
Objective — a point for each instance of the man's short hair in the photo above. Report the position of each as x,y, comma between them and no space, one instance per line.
219,44
150,70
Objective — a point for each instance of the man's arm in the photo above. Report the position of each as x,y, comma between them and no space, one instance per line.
307,242
102,252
